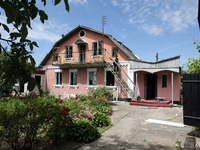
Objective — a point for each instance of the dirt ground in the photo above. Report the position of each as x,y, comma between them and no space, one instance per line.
130,129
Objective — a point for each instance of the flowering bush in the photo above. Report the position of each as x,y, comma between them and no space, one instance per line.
101,92
23,121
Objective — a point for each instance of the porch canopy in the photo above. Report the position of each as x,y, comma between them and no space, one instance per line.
81,41
170,64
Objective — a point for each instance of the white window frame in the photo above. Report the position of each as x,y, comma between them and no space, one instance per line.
88,71
72,86
162,81
58,85
97,55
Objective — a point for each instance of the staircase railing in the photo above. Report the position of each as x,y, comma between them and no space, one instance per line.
120,80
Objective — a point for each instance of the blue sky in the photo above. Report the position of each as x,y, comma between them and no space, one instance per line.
144,26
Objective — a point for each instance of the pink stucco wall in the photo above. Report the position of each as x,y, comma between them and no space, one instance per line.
81,81
161,92
90,37
167,92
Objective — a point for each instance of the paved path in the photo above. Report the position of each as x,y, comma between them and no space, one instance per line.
131,131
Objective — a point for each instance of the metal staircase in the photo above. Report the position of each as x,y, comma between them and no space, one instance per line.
119,79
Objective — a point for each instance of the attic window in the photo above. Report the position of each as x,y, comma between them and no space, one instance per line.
82,34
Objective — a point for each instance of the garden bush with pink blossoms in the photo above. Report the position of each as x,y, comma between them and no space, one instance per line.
51,120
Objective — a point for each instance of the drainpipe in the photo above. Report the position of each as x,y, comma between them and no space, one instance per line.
172,89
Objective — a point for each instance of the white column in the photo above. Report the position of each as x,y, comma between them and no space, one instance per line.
172,89
136,85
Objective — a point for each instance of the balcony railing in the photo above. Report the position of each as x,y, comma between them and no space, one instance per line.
87,57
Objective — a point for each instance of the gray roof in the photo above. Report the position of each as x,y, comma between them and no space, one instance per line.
119,44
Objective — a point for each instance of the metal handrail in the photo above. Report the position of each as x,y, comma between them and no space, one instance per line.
119,67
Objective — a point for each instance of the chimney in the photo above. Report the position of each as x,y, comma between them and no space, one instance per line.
156,57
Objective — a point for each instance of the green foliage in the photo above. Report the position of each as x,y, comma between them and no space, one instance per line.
23,122
138,97
101,120
178,145
101,91
83,98
82,131
19,14
101,105
193,65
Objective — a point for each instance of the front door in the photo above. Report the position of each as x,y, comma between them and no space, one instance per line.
150,86
82,49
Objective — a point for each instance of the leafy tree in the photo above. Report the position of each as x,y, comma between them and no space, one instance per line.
19,14
193,65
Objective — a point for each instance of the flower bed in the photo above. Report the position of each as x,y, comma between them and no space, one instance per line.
50,120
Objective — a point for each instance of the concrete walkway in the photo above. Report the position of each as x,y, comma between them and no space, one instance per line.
131,131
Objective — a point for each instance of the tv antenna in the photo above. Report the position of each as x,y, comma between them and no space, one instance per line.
103,23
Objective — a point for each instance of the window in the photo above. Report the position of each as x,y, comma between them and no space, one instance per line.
58,77
164,81
114,52
97,48
68,52
82,34
91,77
55,57
73,76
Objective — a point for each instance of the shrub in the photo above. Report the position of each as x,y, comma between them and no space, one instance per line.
101,105
101,120
83,98
82,131
101,91
23,121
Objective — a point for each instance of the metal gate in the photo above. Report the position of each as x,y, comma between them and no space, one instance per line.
191,99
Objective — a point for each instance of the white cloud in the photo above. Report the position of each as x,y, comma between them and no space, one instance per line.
158,16
50,31
82,2
114,2
152,29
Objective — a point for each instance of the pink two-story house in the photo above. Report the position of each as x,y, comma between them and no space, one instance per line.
83,58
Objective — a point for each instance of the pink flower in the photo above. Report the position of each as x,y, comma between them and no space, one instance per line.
90,97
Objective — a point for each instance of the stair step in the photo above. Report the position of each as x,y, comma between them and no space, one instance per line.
151,103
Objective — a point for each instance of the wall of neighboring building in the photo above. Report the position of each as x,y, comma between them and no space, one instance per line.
42,82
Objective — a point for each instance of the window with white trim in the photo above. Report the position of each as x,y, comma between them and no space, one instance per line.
164,81
58,77
97,48
91,77
73,77
68,52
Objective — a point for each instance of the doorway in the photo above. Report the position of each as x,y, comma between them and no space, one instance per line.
150,86
110,79
82,49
